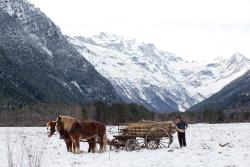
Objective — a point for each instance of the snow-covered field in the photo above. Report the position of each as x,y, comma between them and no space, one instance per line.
203,149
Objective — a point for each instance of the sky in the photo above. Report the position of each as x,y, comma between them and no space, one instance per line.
192,29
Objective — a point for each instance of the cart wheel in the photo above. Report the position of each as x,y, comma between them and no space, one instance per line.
157,138
114,145
132,145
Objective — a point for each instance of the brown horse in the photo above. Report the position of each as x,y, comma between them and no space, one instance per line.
77,130
101,138
51,126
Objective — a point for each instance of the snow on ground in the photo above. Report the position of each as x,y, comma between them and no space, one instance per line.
203,149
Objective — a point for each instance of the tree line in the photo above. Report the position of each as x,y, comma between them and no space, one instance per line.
211,115
110,114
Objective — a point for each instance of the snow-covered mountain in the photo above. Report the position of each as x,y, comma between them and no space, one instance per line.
39,65
235,96
142,73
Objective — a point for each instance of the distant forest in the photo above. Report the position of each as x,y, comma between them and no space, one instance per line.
117,113
211,115
38,114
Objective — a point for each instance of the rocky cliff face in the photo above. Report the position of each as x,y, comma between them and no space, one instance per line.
38,64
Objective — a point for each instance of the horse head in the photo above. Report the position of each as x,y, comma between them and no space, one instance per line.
51,127
47,125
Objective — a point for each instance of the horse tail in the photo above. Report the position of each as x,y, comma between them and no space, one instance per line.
105,141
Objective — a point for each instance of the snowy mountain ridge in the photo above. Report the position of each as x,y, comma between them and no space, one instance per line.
142,73
39,65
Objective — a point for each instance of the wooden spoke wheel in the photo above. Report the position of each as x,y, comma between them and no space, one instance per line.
132,145
153,144
116,144
158,138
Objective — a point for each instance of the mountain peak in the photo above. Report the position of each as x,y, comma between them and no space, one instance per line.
238,55
220,59
17,8
104,36
237,58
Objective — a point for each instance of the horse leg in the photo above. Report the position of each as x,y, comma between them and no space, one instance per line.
93,147
74,147
93,144
100,142
103,142
67,144
73,141
90,145
70,146
102,138
77,141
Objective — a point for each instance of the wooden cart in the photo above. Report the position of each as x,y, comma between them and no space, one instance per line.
144,134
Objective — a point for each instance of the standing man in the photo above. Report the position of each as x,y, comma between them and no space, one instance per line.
181,126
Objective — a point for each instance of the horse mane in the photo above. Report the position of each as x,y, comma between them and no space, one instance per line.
67,122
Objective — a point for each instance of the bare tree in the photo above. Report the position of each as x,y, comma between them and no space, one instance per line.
34,154
28,155
9,150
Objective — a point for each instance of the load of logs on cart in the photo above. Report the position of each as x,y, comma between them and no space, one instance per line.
143,134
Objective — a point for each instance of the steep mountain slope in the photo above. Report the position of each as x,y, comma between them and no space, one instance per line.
233,97
160,80
38,64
